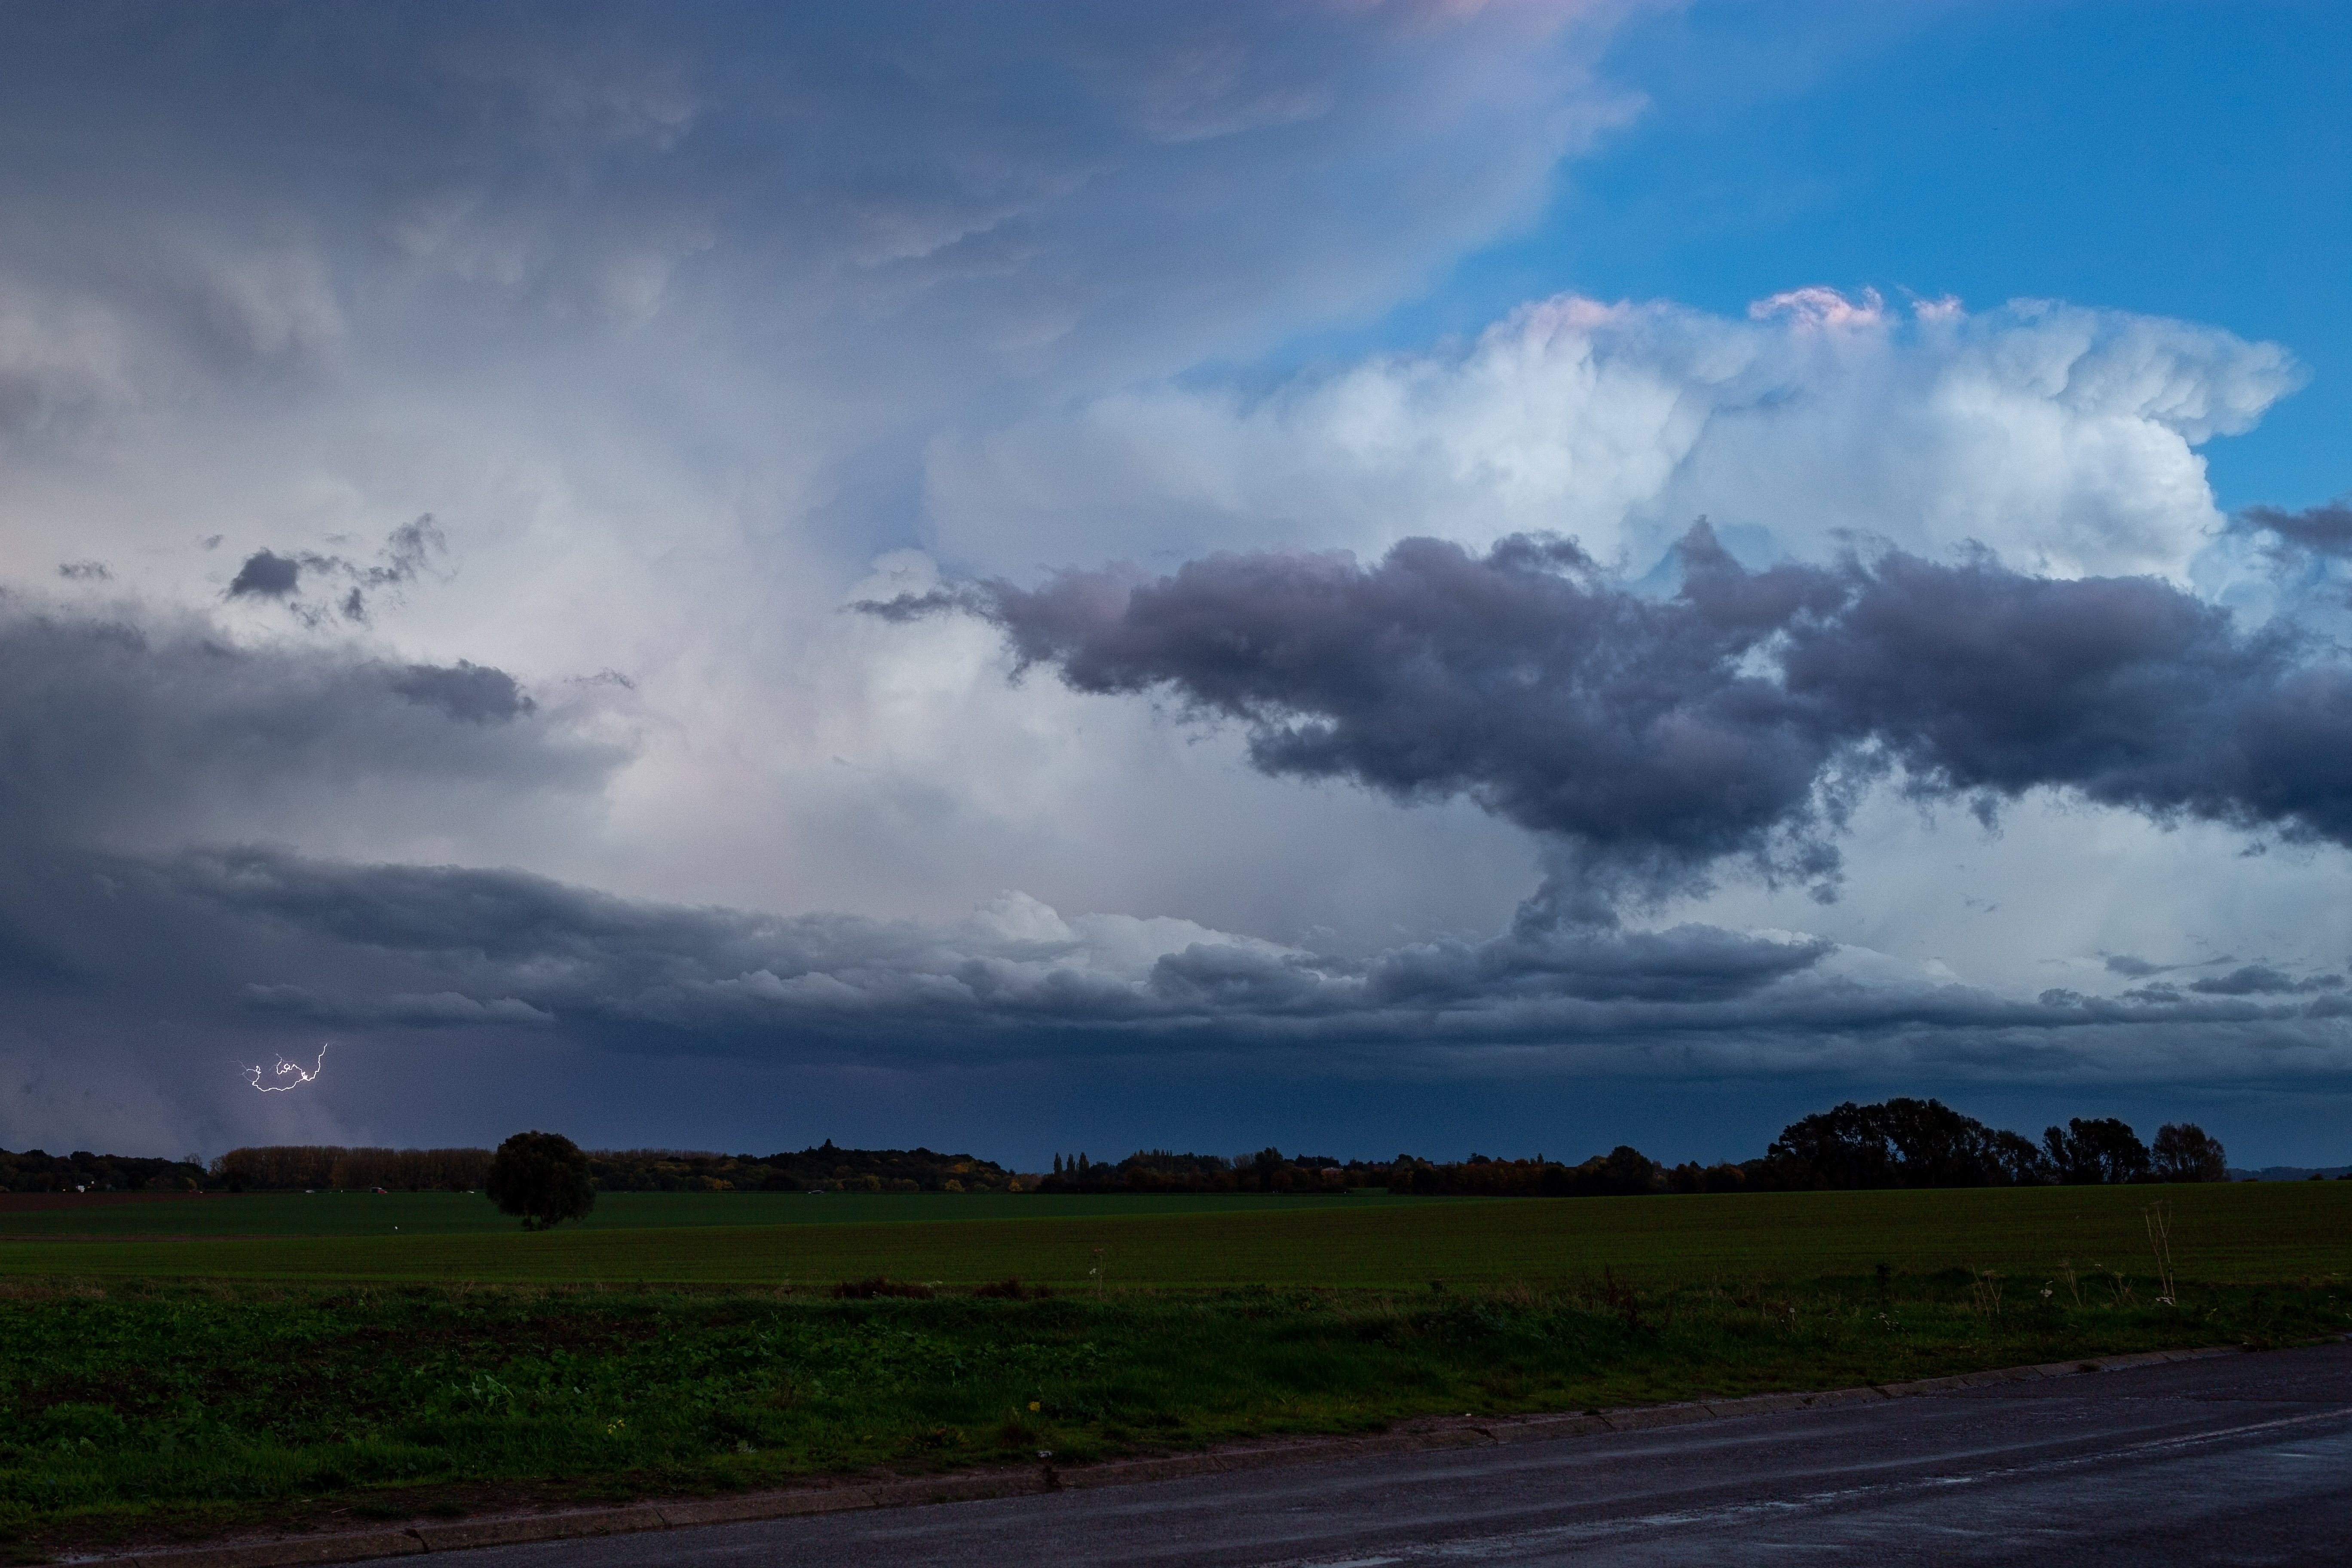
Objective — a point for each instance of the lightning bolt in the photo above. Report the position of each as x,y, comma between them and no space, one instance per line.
301,1076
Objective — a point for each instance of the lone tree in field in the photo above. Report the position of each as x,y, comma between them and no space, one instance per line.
543,1177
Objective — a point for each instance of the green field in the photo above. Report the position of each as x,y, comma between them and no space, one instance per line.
372,1214
2245,1232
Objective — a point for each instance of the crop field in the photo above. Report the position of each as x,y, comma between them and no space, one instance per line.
25,1217
2263,1232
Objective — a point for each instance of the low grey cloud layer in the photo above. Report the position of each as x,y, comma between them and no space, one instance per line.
269,941
386,951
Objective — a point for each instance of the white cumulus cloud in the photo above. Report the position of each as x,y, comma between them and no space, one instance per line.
2063,438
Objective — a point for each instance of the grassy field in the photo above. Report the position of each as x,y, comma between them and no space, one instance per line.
2247,1232
371,1214
309,1367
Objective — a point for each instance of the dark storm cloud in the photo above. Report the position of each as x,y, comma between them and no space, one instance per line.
265,575
473,692
124,736
408,551
1523,679
123,730
2324,530
2261,980
1649,738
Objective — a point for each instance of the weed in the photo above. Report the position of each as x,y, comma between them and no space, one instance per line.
1621,1300
2159,1219
2074,1282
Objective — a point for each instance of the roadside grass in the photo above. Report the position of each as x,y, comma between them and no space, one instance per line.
141,1412
2222,1232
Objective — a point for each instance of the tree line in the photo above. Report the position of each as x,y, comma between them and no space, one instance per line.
306,1167
825,1168
1162,1170
1925,1144
1898,1143
39,1170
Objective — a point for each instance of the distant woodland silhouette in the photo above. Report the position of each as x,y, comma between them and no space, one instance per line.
1899,1142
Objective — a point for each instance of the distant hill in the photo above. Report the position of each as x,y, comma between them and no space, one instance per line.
2290,1172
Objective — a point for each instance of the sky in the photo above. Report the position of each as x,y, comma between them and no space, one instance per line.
1354,575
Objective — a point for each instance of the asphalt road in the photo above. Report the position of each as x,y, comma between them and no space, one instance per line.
2241,1459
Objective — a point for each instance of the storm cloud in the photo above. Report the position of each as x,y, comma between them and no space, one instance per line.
124,737
2323,529
439,442
406,554
265,575
1651,738
145,728
127,737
